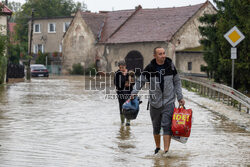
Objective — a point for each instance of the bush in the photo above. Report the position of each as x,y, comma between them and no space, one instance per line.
41,59
3,68
77,69
91,70
3,59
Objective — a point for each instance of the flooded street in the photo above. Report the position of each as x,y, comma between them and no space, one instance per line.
57,123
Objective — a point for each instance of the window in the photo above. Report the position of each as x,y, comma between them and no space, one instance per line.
66,26
37,48
189,66
60,48
52,27
37,28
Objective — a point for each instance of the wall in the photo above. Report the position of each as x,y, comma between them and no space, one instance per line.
79,45
117,52
189,36
182,59
3,23
51,41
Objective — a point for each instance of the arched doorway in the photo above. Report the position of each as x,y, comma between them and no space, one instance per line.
134,60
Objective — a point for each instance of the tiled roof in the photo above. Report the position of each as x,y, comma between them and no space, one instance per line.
113,21
94,21
147,24
5,10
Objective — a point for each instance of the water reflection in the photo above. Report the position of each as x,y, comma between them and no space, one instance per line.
56,122
124,133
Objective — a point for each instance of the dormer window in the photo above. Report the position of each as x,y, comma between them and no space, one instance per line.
52,27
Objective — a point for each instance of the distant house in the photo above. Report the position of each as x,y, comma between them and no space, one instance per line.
104,38
48,34
47,38
3,18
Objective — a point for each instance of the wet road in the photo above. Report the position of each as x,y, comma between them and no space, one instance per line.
56,123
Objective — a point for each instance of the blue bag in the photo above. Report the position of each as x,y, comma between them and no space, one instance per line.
130,108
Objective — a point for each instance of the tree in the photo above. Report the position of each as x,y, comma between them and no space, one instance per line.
14,6
3,43
210,44
3,60
230,13
80,6
42,8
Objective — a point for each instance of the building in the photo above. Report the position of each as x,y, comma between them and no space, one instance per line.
4,18
47,38
104,38
48,34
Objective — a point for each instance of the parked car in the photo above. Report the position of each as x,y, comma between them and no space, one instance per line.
39,70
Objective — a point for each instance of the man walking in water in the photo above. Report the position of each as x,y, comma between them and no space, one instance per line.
165,85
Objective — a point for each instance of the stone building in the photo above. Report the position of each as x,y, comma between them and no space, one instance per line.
104,38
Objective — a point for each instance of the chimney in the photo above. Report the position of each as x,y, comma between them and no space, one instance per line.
138,7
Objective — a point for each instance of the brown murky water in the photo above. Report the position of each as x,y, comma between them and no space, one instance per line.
56,123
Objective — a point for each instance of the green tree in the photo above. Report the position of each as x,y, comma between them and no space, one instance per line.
210,44
42,8
3,60
41,58
230,13
14,6
80,6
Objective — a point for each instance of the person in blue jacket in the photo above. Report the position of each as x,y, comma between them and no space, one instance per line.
165,85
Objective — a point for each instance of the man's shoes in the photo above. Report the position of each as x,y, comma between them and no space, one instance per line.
157,150
165,154
127,124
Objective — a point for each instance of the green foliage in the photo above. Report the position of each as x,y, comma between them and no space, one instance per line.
217,56
3,68
42,8
3,60
14,6
14,53
77,69
3,39
41,59
91,70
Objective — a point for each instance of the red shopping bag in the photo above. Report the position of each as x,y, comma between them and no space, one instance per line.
182,122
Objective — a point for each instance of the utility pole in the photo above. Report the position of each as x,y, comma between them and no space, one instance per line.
30,47
8,40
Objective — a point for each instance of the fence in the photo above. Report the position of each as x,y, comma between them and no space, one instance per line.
15,71
218,92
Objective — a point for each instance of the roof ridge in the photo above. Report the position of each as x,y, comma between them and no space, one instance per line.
91,13
174,7
136,10
202,5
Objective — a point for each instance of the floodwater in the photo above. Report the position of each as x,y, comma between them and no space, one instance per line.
55,122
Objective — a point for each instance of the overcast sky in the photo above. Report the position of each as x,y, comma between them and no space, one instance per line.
109,5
